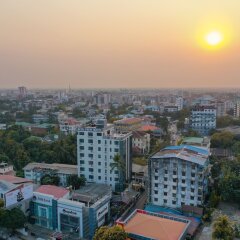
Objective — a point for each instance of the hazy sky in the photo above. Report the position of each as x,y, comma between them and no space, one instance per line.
118,43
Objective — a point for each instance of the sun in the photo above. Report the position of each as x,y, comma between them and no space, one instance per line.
214,38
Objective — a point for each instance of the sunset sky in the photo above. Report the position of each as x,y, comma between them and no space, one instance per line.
118,43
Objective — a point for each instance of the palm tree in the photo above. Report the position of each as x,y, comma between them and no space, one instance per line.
119,164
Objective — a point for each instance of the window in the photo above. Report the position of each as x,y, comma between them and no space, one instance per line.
155,192
115,150
166,171
174,202
175,180
116,179
183,189
192,182
156,170
183,173
99,134
81,140
116,142
90,148
82,169
82,162
199,199
155,199
192,198
193,175
165,186
99,163
165,201
81,147
90,155
174,187
192,190
165,193
182,196
116,171
81,133
174,195
183,181
99,141
90,141
99,148
99,155
156,185
165,179
90,176
99,178
81,154
156,177
90,134
90,169
99,170
174,172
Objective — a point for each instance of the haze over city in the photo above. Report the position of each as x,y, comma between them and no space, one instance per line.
112,44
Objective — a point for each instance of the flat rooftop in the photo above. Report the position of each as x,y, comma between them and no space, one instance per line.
91,193
57,192
14,180
61,168
155,226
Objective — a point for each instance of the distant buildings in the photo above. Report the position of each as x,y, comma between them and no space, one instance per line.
171,108
221,109
69,126
22,92
96,148
178,176
128,125
6,169
203,119
140,142
35,171
179,103
237,109
40,118
102,99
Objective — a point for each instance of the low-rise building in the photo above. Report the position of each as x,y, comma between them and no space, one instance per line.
127,124
140,142
142,224
6,169
35,171
16,192
69,126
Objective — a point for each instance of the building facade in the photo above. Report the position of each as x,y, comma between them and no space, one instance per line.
35,171
140,142
203,119
178,176
96,148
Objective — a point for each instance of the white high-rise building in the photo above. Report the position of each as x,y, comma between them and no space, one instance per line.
178,176
96,148
203,119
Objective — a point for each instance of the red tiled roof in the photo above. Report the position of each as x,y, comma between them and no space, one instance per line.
146,128
55,191
129,120
14,180
154,227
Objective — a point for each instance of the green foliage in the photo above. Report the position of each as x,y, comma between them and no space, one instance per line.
214,199
78,113
227,121
222,140
1,203
140,161
75,181
207,215
110,233
226,178
50,180
12,219
223,228
19,148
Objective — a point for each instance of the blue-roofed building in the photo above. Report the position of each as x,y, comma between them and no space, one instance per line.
178,175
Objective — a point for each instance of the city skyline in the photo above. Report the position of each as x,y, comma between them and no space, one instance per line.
118,44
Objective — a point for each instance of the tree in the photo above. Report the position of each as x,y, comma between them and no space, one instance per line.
222,140
12,219
50,180
223,228
110,233
1,203
75,181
